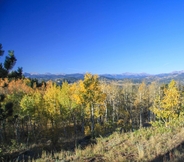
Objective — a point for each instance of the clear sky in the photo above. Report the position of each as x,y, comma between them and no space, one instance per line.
97,36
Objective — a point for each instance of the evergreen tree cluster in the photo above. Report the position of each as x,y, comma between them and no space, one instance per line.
6,67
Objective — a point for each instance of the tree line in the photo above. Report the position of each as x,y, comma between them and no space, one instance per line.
31,111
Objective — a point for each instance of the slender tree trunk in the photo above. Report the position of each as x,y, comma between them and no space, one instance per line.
83,124
117,111
106,113
52,123
113,111
64,126
2,131
92,120
75,130
1,134
140,118
140,114
17,130
131,120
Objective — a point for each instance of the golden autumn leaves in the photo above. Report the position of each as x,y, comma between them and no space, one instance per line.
169,106
89,99
52,102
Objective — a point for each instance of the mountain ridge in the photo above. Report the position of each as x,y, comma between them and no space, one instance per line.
124,73
138,77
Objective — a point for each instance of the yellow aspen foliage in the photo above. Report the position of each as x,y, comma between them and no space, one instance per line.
93,95
106,89
51,100
75,95
65,95
31,104
171,100
169,107
37,98
113,90
68,101
38,103
78,91
141,94
141,99
94,98
27,105
152,88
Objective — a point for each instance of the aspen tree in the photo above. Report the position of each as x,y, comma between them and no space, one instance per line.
140,101
114,96
79,99
169,107
128,97
69,103
106,90
51,103
93,97
154,92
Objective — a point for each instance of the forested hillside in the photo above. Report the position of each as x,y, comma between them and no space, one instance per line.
35,114
54,117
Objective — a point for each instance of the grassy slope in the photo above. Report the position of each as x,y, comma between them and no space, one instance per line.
151,144
146,144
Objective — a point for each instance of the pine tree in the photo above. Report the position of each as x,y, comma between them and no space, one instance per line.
7,66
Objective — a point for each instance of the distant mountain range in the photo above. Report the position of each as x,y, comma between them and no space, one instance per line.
135,77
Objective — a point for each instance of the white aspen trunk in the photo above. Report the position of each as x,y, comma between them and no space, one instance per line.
82,115
106,113
140,115
113,111
140,119
92,120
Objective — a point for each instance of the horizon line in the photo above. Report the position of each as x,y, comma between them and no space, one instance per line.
123,73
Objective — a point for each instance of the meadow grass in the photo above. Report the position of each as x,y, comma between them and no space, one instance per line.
145,144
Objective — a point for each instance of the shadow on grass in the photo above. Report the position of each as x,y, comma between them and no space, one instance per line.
23,156
49,149
51,145
174,155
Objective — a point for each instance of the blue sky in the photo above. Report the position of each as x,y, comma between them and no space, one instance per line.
97,36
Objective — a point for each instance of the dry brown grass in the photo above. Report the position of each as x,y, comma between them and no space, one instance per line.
146,144
141,145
